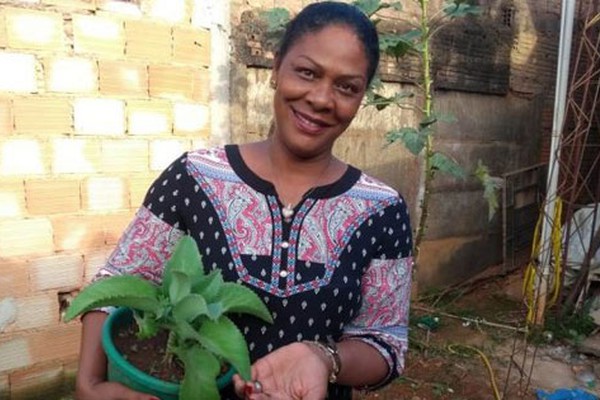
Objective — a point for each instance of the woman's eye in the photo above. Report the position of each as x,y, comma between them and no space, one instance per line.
348,88
306,73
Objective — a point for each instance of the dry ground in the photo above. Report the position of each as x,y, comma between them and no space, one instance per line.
439,368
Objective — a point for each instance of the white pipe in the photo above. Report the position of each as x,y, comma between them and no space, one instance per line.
562,82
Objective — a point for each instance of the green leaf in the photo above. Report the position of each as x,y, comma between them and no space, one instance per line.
412,139
185,259
430,120
381,102
190,307
210,286
215,310
276,18
459,8
237,298
395,45
491,186
370,7
147,325
223,338
201,371
118,291
180,286
443,163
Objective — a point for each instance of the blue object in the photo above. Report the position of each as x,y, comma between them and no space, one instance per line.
565,394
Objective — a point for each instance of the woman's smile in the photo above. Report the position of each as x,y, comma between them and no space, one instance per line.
309,124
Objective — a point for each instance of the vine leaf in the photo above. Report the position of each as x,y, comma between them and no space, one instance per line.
443,163
412,139
276,18
459,8
491,185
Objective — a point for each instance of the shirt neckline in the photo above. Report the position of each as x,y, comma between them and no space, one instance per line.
239,166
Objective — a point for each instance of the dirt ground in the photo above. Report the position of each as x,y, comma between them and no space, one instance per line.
438,365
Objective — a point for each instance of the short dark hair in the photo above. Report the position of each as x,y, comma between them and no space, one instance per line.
317,16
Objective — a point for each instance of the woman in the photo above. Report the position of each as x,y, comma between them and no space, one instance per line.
324,245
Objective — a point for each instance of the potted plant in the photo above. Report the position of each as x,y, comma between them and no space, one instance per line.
190,310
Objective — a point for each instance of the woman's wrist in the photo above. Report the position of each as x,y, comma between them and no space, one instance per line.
328,353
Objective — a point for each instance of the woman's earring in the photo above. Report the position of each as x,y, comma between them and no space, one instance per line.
273,84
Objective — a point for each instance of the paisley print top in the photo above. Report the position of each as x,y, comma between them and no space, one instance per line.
340,268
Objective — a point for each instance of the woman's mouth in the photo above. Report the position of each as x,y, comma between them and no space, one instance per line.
308,124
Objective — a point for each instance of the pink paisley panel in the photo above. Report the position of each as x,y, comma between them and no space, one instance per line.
248,215
386,293
325,225
144,247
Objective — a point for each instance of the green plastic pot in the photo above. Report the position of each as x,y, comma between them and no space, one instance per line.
120,370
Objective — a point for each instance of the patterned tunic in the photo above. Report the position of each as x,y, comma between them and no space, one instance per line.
340,268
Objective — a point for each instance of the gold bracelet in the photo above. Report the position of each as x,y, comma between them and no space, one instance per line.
330,350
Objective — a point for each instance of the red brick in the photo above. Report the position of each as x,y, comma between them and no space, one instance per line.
138,186
65,340
22,157
191,118
15,353
28,383
191,46
62,272
163,152
171,81
14,278
18,73
148,40
71,75
75,156
35,312
94,259
39,115
6,117
52,196
78,232
119,78
149,117
12,198
128,155
115,224
98,35
201,86
96,116
36,30
171,11
25,237
104,193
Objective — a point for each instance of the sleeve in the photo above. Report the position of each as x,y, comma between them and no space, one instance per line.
383,317
148,241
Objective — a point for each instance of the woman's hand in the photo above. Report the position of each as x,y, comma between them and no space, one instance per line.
110,391
297,371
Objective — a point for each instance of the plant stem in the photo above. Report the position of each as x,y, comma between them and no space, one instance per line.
427,112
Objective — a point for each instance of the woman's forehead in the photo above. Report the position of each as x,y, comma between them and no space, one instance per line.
334,45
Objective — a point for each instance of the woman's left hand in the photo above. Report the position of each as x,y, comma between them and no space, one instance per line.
296,371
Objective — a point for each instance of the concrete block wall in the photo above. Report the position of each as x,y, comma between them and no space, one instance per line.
96,98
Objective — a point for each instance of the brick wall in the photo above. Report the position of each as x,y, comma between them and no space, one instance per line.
96,97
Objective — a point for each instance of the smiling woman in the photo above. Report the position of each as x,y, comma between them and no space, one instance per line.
327,247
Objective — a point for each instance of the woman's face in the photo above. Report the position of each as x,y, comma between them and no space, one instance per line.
320,84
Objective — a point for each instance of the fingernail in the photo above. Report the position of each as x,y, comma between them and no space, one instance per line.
248,389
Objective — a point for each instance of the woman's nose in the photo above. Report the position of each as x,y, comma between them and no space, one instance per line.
321,96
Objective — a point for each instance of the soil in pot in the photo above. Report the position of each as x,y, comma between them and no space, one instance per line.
148,355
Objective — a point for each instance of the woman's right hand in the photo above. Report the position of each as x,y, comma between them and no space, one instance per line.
91,376
110,391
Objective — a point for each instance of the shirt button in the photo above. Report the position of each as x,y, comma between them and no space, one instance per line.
285,245
283,273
